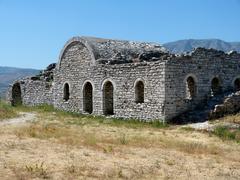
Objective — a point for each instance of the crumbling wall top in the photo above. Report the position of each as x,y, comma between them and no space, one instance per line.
208,54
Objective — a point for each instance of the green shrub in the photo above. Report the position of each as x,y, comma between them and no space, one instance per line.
226,133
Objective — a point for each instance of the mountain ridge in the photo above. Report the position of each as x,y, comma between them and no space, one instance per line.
9,74
187,45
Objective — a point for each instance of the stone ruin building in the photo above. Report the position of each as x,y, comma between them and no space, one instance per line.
131,80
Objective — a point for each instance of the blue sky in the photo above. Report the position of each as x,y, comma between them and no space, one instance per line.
32,33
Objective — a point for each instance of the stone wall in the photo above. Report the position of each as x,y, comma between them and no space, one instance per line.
33,92
203,65
107,86
123,78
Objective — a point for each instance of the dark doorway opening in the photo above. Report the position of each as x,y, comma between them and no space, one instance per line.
108,98
16,95
88,98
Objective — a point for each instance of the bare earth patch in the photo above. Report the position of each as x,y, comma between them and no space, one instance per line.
23,118
51,148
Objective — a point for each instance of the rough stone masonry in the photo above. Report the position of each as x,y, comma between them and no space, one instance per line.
129,79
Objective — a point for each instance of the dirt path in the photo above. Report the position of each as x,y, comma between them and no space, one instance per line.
24,117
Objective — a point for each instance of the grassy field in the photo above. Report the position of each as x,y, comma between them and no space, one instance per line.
60,145
6,111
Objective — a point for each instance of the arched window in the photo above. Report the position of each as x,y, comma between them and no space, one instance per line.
88,98
190,88
237,84
215,86
16,95
66,92
108,98
139,92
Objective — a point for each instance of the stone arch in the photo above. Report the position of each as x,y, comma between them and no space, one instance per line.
108,97
236,84
139,91
191,86
216,86
76,40
16,94
88,97
66,92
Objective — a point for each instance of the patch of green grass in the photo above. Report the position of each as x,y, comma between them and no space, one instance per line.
226,133
6,111
81,119
187,128
41,108
117,122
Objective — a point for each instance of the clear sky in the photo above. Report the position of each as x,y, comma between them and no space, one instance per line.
32,33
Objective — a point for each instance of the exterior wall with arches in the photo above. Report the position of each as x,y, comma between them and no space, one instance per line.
166,90
33,92
203,65
123,77
77,67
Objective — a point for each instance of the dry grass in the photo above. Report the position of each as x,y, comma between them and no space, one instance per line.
6,111
231,118
68,146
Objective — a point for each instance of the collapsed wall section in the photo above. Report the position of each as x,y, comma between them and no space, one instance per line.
34,90
212,72
31,93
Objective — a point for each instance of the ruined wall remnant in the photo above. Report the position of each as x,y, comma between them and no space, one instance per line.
230,105
130,79
34,90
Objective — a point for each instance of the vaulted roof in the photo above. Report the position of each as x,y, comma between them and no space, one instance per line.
108,51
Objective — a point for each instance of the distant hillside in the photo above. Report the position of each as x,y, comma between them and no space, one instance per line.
188,45
9,74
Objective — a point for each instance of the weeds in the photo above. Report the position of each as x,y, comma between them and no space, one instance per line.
72,118
225,133
6,111
123,139
38,170
187,128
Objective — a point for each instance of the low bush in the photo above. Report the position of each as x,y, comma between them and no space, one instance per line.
227,133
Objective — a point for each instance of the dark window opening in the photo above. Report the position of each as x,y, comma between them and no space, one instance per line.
139,92
215,86
191,88
66,93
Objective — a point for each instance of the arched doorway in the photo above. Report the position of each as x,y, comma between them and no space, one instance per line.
88,98
237,84
215,86
16,95
139,92
108,98
190,88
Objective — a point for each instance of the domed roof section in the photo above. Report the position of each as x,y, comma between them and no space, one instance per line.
108,51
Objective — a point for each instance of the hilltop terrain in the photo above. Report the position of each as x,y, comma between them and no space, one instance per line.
43,143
